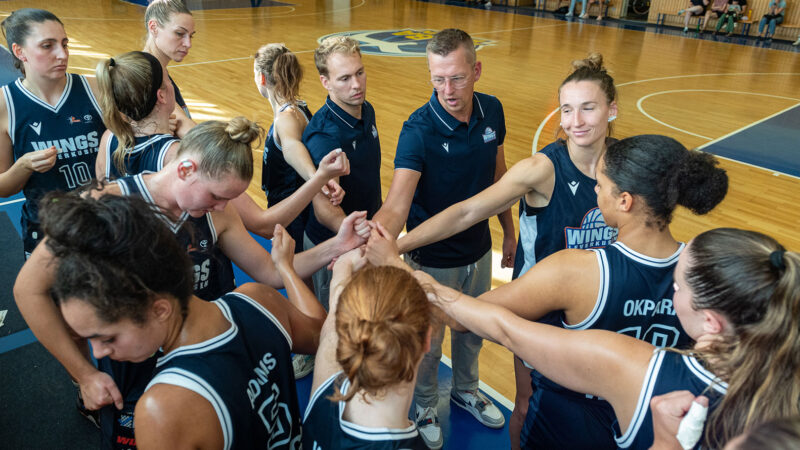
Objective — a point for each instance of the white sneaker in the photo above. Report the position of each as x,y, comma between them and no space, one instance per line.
569,14
797,42
480,407
584,15
302,365
428,426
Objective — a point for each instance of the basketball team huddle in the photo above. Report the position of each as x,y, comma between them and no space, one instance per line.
134,215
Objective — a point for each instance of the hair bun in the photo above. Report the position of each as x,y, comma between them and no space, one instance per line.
593,62
242,130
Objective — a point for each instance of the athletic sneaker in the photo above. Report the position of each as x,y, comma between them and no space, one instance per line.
480,407
583,16
302,365
91,416
797,42
569,14
680,13
428,426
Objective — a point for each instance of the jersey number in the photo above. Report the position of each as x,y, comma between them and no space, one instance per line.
76,174
658,335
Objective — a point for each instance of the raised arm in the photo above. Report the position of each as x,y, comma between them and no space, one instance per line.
298,292
601,363
525,176
325,363
567,281
394,211
242,249
506,221
262,222
32,294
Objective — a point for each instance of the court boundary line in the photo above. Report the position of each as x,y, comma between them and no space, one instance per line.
672,91
540,128
508,404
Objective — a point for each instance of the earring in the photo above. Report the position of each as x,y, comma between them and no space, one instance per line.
186,164
611,119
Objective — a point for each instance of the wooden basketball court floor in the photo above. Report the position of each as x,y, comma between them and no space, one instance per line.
696,91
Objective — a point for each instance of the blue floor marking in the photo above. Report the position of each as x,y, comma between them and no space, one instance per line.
16,340
770,144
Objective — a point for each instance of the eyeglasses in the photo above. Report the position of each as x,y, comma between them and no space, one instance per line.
458,81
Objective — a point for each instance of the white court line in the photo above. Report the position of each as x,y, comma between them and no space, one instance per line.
13,201
642,99
486,388
674,77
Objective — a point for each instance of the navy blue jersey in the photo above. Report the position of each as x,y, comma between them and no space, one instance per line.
213,272
324,427
245,373
667,372
147,155
74,126
634,298
570,220
279,179
456,160
179,99
332,128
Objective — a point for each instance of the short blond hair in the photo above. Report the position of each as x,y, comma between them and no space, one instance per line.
334,44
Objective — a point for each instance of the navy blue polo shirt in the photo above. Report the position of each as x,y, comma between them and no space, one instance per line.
456,160
331,128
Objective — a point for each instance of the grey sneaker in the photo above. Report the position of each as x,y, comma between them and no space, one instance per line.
302,365
428,426
480,407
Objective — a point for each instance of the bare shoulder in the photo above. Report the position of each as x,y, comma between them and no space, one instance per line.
169,416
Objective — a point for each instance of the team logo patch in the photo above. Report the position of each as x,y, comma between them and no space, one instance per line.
374,132
446,147
573,186
593,232
489,135
402,42
37,127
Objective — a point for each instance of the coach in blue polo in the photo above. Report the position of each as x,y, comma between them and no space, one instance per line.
449,150
345,121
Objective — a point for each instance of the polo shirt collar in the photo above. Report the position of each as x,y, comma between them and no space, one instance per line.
446,120
343,115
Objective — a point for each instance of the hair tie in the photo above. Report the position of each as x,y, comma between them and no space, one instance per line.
111,62
776,260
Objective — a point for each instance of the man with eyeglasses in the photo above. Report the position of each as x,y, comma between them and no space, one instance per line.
449,150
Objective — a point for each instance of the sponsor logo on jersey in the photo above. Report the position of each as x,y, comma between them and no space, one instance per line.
593,232
126,441
87,118
125,420
374,132
73,119
398,42
72,146
646,307
204,244
354,145
489,135
37,127
446,147
573,186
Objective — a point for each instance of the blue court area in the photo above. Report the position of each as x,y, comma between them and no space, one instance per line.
771,143
31,377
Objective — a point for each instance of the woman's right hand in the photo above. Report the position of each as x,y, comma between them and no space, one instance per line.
40,160
334,164
282,248
98,390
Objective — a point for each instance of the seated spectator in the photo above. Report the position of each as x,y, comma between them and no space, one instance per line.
773,18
